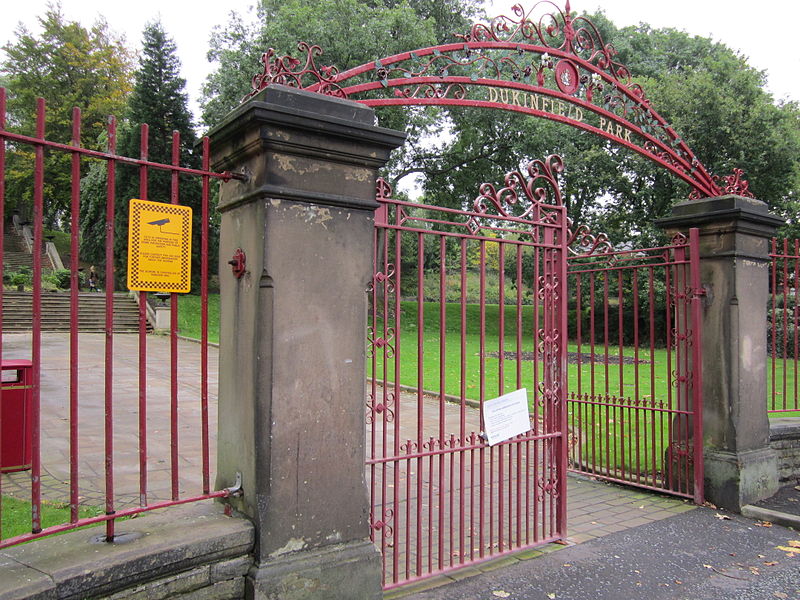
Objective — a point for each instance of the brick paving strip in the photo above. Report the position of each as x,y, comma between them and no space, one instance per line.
595,508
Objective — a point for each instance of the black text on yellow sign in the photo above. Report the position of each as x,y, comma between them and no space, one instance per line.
159,247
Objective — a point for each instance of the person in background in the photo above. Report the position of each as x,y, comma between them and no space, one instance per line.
92,279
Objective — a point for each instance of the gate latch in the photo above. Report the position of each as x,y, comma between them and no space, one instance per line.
238,263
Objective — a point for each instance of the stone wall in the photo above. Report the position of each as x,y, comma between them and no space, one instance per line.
185,552
784,437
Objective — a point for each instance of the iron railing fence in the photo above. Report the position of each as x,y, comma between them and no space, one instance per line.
783,342
634,377
115,427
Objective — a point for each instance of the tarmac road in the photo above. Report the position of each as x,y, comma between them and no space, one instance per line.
691,556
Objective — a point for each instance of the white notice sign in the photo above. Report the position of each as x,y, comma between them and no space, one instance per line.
506,416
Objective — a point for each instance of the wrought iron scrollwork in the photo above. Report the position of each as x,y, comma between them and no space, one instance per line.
527,193
555,29
582,242
385,408
293,72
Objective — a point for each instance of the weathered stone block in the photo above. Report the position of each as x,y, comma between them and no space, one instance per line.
346,571
229,569
292,330
733,480
734,233
166,587
232,589
184,539
20,581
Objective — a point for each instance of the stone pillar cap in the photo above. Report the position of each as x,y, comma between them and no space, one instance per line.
693,213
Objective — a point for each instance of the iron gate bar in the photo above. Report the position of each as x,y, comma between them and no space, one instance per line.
2,259
144,149
108,439
36,343
75,198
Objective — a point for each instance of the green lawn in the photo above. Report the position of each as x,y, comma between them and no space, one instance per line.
17,515
189,318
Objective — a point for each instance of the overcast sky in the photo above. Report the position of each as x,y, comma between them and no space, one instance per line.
767,38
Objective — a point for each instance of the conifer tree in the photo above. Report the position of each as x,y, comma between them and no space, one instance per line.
159,100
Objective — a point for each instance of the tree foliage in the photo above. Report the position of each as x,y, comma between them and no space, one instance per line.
67,65
350,32
159,100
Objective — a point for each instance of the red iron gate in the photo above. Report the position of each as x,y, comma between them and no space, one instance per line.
96,405
465,306
635,402
783,342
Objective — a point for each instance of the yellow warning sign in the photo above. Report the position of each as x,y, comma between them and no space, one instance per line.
159,247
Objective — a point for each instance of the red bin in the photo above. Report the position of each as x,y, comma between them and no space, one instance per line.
16,415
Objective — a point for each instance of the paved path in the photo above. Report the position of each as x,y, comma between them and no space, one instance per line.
55,418
595,509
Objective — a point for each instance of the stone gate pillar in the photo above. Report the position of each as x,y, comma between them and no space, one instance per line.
292,336
740,466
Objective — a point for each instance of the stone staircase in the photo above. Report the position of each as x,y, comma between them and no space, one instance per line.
15,255
55,312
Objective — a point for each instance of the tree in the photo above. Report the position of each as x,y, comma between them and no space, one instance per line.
68,66
158,99
350,32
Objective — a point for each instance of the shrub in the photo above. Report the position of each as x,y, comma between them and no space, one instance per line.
58,279
20,278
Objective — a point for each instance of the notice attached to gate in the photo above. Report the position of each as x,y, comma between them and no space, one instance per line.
159,247
506,416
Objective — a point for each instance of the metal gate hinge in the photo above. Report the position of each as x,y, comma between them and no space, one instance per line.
704,292
236,488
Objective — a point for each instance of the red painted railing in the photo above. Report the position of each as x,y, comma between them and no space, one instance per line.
783,344
120,455
635,397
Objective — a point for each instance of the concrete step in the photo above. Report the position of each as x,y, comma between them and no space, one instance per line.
56,312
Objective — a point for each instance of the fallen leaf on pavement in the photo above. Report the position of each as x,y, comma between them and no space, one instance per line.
789,550
722,517
763,524
780,595
770,563
500,594
794,543
551,596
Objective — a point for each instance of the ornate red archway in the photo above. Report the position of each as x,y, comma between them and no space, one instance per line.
545,62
